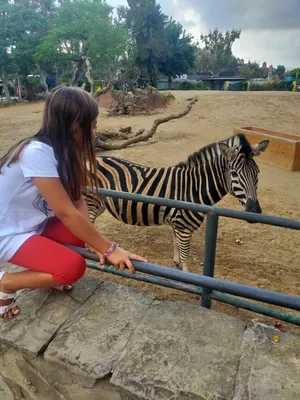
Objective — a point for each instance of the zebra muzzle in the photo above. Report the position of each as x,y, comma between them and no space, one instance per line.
253,206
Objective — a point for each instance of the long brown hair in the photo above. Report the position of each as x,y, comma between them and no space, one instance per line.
64,108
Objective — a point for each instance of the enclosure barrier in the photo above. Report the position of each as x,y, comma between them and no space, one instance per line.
206,285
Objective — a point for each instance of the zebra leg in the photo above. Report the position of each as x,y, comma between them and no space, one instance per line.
183,238
176,255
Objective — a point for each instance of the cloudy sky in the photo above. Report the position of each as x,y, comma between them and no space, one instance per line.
270,28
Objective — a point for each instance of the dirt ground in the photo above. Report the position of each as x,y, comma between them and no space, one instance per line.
269,256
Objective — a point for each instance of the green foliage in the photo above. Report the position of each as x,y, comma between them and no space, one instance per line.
237,86
180,53
66,78
32,80
21,31
83,29
294,73
146,23
251,70
272,86
280,70
194,86
264,86
216,55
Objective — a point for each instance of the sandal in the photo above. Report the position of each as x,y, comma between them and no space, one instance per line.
7,296
64,288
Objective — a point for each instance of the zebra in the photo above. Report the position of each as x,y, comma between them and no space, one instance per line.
205,177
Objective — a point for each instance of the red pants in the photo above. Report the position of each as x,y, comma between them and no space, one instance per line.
44,253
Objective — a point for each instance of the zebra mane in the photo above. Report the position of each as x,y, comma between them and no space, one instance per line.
211,151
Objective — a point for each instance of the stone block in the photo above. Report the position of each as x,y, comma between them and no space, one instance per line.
269,370
94,337
181,351
42,313
22,375
5,392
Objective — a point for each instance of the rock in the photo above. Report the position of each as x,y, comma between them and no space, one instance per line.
94,337
155,100
268,370
181,351
23,376
43,311
5,266
168,97
263,283
127,129
107,100
102,393
84,288
5,392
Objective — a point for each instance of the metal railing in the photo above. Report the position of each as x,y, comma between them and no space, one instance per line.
206,285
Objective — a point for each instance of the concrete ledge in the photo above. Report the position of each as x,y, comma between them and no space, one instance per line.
283,150
269,370
111,342
180,354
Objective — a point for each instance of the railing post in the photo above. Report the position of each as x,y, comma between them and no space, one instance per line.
209,254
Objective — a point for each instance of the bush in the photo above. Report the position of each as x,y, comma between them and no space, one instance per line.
194,86
272,86
238,86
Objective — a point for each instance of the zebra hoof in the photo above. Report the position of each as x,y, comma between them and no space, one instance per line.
177,266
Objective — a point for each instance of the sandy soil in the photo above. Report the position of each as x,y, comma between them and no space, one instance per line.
269,256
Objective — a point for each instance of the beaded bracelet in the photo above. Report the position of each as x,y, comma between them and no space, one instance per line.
111,249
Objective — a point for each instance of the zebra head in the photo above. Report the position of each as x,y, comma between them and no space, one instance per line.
242,170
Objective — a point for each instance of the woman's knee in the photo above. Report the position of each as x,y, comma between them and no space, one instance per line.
72,271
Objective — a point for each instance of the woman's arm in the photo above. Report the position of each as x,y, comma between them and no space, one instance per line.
56,196
82,207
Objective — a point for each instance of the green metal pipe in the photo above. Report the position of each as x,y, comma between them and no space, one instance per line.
270,312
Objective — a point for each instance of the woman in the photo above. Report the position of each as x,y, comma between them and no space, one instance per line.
41,206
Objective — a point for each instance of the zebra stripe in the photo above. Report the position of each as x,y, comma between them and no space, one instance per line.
206,177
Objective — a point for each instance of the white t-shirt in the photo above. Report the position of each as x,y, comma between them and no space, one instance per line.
23,211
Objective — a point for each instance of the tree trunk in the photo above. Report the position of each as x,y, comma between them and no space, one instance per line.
43,81
78,69
109,86
88,74
19,86
153,77
140,136
30,93
6,90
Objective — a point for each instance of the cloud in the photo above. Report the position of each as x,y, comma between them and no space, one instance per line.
270,28
254,14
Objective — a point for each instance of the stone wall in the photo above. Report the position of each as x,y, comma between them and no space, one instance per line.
108,342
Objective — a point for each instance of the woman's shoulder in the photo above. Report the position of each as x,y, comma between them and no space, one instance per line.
36,144
36,151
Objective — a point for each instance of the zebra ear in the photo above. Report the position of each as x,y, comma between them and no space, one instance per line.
228,152
260,147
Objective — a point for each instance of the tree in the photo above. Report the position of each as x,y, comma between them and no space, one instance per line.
21,31
251,70
146,22
84,36
180,53
295,73
280,70
216,55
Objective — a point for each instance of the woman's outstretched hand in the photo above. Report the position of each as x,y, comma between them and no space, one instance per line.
119,258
